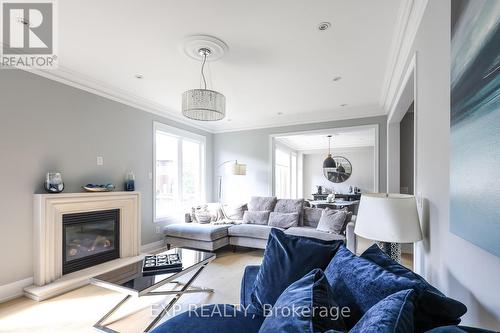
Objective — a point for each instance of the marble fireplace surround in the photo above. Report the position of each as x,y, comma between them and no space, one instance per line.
47,237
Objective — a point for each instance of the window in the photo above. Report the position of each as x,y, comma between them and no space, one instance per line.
179,160
282,173
293,176
288,173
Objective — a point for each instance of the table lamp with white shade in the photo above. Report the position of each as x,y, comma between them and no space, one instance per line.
390,219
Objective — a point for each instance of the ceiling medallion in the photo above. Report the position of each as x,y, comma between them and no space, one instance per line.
193,44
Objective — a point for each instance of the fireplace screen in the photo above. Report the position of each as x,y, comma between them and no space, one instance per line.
90,238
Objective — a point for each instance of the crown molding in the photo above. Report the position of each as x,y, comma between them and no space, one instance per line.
409,17
299,119
336,150
80,81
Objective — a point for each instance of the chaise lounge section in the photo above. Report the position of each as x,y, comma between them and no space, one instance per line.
228,228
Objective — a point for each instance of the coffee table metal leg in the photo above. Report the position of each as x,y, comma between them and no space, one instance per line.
102,328
187,288
175,299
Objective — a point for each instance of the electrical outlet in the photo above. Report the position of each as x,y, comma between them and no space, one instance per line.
157,229
100,160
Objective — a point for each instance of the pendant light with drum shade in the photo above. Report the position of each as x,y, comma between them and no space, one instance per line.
329,162
203,104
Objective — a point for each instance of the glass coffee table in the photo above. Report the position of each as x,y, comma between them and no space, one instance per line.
131,281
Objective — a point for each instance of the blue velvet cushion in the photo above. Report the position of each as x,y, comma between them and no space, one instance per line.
286,259
217,318
306,306
359,284
392,314
433,308
247,283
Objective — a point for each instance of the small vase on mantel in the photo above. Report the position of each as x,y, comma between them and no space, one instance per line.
130,181
53,182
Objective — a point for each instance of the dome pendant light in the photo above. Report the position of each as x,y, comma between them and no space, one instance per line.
203,104
329,162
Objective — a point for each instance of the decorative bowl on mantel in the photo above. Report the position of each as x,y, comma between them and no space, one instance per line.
99,188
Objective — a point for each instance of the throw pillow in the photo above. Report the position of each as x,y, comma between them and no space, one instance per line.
256,217
316,311
262,203
286,259
291,206
207,213
234,211
312,216
283,220
359,284
332,221
348,219
392,314
433,308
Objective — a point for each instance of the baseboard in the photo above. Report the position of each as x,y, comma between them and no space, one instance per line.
151,247
15,289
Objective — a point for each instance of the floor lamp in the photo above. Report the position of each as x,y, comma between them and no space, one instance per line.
237,169
389,219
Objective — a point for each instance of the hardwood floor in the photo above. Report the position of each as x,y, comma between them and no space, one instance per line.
79,309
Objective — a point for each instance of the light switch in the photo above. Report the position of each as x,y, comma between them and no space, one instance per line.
100,160
150,176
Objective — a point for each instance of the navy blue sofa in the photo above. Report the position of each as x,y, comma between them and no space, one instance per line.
236,321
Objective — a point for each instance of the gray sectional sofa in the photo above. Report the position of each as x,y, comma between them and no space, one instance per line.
238,229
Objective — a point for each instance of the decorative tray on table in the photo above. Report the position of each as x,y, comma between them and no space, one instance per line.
161,264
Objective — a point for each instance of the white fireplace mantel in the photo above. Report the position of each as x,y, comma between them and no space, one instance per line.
47,236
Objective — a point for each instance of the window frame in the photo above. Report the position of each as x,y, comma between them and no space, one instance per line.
293,181
182,135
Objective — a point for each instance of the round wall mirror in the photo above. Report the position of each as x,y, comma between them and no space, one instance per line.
341,172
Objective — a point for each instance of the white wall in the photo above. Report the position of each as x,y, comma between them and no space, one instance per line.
47,126
362,161
454,265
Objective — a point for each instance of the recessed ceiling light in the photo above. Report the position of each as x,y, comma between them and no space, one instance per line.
139,76
279,113
324,26
343,105
337,78
229,119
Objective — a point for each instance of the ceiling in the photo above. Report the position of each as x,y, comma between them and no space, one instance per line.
341,138
279,68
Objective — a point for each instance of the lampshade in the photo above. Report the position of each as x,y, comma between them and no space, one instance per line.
388,217
238,169
203,104
329,162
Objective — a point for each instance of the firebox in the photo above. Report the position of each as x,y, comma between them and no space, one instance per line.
90,238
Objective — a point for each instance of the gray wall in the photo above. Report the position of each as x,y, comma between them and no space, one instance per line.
253,148
406,151
454,265
46,126
362,161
